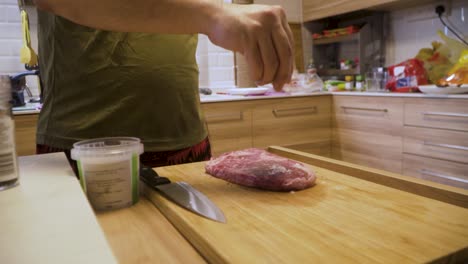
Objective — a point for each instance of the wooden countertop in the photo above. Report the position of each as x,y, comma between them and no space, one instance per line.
353,215
141,234
47,219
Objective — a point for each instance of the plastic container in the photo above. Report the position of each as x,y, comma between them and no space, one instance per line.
312,81
109,170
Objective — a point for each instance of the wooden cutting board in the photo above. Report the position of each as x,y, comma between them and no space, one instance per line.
343,219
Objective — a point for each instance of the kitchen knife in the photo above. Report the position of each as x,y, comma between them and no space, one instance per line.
182,194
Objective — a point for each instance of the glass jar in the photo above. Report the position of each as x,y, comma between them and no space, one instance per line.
8,159
376,80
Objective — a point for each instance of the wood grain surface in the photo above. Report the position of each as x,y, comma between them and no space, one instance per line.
25,134
341,219
368,131
141,234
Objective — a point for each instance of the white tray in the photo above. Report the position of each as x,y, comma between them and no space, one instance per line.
247,91
433,89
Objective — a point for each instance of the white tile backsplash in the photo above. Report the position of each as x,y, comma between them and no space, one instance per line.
11,40
13,16
10,64
215,63
10,30
415,28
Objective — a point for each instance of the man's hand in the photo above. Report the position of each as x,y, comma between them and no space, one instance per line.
261,33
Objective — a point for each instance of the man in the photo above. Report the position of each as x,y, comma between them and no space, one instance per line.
128,68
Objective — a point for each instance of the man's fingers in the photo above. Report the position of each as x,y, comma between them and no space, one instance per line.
269,58
254,61
292,45
284,52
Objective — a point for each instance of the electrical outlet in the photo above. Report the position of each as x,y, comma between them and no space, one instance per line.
427,11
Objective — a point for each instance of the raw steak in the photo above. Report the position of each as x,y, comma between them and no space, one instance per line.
261,169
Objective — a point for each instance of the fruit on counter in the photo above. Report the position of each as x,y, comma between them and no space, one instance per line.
441,57
335,85
436,63
458,75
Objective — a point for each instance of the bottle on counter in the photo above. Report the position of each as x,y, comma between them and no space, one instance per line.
349,83
312,80
359,85
8,159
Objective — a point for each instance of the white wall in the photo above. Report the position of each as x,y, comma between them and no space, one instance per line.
414,28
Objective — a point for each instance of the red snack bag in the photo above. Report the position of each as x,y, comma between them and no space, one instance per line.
406,76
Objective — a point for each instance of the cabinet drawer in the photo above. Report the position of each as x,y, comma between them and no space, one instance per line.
25,134
368,149
369,114
292,121
436,143
445,172
437,113
229,126
368,131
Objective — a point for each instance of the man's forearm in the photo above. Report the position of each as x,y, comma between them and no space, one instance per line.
151,16
261,33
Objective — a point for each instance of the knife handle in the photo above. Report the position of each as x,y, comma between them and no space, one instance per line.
151,177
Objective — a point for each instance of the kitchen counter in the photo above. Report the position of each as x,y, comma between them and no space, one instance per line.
47,219
407,95
34,108
228,98
349,215
29,108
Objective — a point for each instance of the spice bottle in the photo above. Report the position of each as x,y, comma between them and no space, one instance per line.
8,160
349,82
359,86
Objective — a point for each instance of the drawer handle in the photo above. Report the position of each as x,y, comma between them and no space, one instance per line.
226,117
436,174
365,109
283,112
445,114
428,143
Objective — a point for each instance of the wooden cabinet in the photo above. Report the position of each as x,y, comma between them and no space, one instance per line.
301,123
437,113
368,131
317,9
25,134
436,170
436,143
229,126
425,138
436,140
291,7
298,123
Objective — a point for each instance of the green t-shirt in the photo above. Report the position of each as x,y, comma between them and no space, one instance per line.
102,84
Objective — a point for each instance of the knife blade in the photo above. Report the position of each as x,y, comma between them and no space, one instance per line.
183,194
